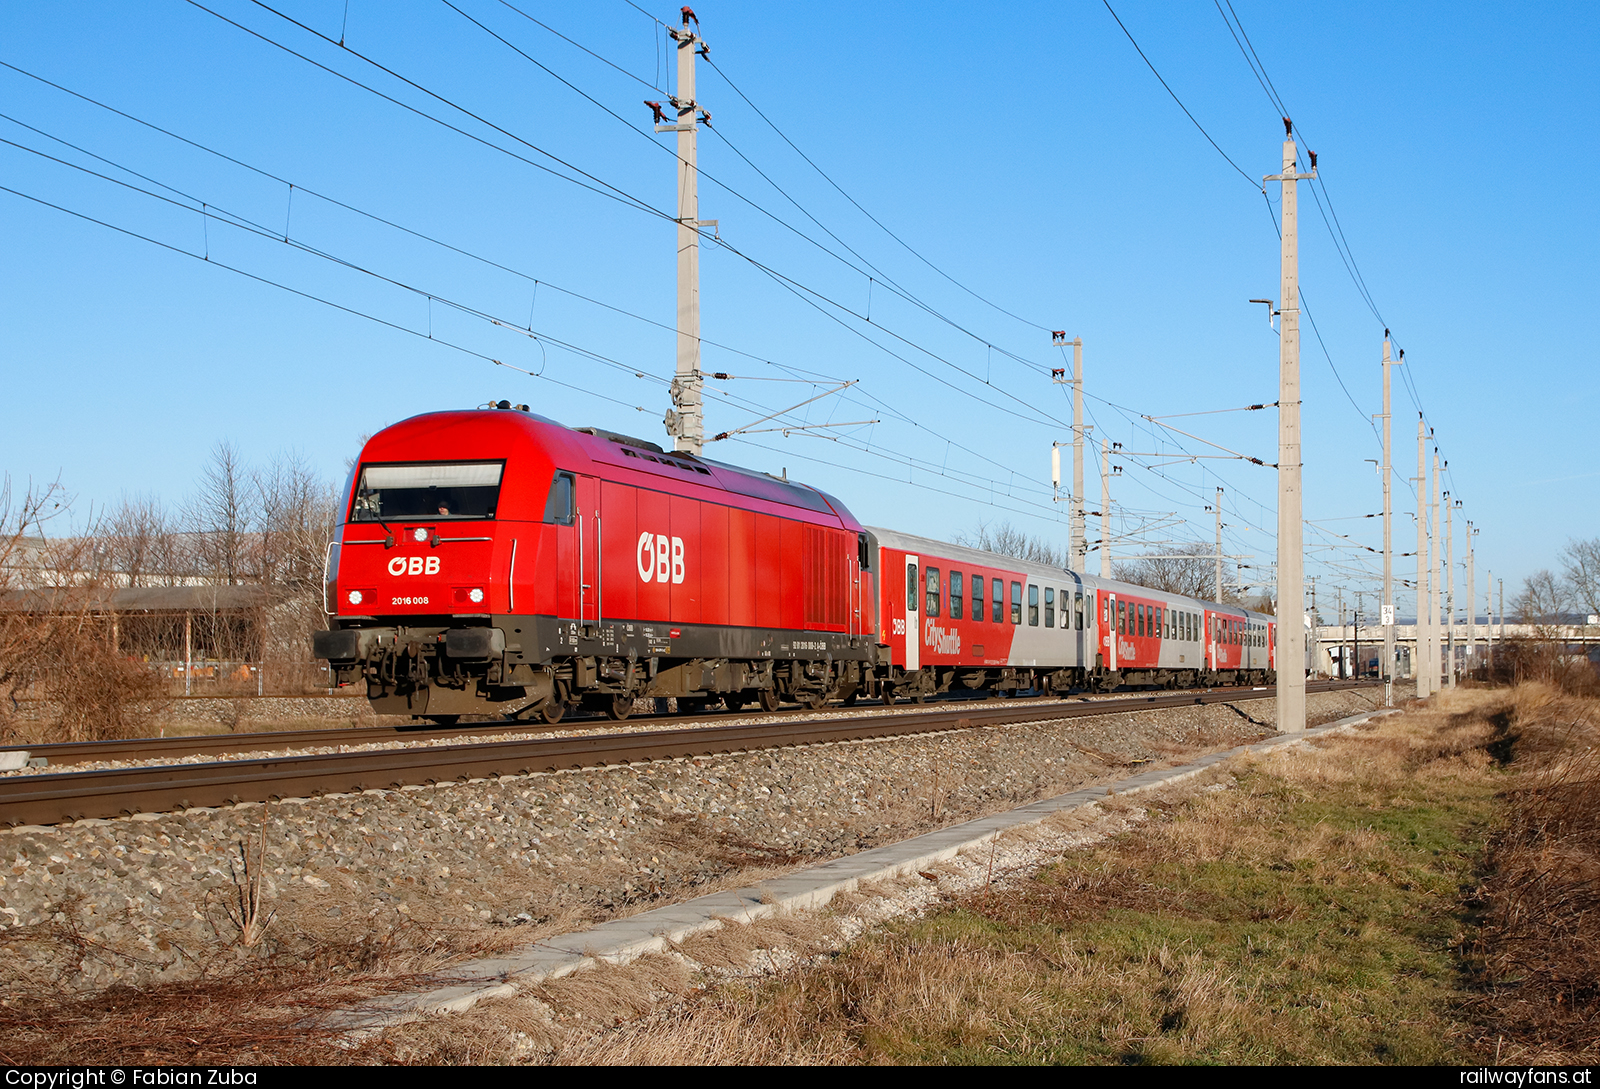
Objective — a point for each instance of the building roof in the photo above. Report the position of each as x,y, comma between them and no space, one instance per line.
135,599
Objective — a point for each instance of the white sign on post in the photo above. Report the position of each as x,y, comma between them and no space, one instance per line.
1388,615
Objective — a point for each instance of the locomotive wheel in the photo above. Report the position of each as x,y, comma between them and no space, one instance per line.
552,711
619,708
812,701
768,699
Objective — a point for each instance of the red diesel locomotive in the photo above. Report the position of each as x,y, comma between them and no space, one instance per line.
493,561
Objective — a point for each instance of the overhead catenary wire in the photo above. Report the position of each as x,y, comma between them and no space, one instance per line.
871,271
842,192
630,200
211,211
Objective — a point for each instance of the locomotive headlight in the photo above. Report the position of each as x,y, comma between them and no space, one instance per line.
476,595
419,534
354,597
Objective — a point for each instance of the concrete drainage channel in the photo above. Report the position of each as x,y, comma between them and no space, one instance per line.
622,940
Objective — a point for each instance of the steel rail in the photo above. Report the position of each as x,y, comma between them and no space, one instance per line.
146,748
55,798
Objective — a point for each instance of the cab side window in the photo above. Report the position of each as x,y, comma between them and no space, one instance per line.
558,507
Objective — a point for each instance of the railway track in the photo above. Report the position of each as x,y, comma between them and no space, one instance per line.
151,748
66,796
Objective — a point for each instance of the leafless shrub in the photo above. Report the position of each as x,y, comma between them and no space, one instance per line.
56,643
246,912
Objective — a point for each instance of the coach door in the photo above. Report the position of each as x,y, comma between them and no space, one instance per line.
1113,630
1068,614
590,572
913,629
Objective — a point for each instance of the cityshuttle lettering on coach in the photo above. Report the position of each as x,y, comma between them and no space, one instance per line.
659,558
414,565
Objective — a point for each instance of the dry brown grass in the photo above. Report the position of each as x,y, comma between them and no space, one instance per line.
1540,942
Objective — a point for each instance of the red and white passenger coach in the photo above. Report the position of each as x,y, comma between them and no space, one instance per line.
493,561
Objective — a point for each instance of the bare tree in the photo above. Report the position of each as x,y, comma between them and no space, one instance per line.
1188,569
298,516
1543,599
219,516
1580,565
1007,540
137,540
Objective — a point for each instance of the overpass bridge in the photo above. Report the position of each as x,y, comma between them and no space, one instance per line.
1333,645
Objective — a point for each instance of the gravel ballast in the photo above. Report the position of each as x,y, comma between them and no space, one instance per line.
155,897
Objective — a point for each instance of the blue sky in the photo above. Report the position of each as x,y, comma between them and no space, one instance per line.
1024,151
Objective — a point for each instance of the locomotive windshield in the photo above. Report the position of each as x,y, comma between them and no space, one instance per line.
439,490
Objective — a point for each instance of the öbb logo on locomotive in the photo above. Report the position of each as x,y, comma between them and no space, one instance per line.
777,591
660,558
414,565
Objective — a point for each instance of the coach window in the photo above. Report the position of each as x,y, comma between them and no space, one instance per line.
558,508
998,615
1122,617
978,606
1016,602
955,595
933,592
1077,607
1049,606
913,588
1033,606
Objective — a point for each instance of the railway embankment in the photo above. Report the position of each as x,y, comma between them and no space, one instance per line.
344,881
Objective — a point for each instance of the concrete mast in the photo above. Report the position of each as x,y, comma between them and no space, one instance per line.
1105,509
1419,665
1450,506
1079,546
1472,610
1291,688
1386,609
1219,544
685,422
1436,589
